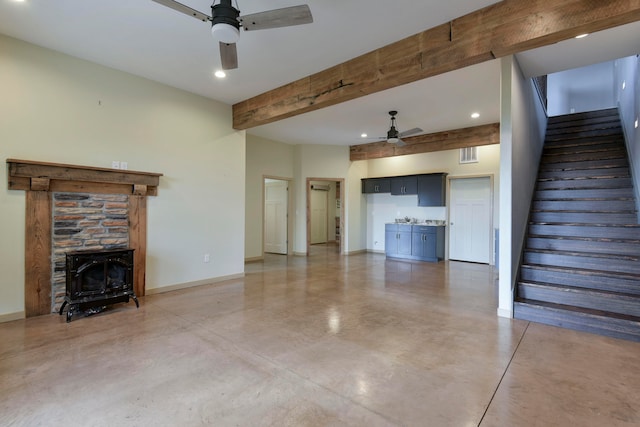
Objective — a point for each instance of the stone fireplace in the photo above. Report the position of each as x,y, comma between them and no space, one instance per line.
55,194
85,222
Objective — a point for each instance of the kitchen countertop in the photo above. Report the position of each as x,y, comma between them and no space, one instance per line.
431,222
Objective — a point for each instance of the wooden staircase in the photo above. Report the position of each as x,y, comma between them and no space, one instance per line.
581,261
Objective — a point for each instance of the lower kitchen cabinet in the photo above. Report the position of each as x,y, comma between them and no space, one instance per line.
414,242
427,242
397,240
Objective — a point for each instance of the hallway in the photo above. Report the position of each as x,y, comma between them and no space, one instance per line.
316,341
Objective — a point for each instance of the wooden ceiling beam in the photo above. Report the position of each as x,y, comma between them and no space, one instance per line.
505,28
448,140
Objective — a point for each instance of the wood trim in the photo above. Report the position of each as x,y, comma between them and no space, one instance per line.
502,29
448,140
61,177
39,180
37,296
138,241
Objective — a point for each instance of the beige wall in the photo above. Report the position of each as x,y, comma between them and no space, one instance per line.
56,108
316,161
264,158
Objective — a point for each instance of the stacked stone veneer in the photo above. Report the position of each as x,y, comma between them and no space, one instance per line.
90,222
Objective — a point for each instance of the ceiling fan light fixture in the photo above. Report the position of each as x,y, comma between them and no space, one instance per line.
225,33
225,25
393,140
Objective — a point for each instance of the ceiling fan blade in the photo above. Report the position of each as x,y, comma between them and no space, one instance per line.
410,132
228,56
184,9
276,18
400,143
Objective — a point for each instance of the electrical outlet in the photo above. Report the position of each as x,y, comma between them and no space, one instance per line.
115,164
206,258
124,165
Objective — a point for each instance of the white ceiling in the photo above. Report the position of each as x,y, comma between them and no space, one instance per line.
147,39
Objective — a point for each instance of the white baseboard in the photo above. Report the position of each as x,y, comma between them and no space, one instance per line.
359,251
505,313
254,259
10,317
163,289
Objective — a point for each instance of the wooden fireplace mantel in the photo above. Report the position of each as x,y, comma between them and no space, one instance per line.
39,180
55,177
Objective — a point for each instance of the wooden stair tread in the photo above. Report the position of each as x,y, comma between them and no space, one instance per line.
582,310
585,272
567,288
583,254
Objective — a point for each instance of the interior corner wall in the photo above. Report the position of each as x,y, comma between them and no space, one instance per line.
581,89
523,125
356,216
264,158
317,161
56,108
627,74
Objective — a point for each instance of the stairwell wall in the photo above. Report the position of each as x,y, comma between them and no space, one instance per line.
627,87
523,124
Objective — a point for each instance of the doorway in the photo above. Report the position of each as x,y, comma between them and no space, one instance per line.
325,212
319,213
276,216
471,219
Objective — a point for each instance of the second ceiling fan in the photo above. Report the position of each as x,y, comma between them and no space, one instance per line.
226,22
394,136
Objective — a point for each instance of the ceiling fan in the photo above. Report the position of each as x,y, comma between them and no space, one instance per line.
226,22
395,137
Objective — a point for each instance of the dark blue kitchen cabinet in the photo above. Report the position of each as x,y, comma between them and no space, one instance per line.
404,185
376,185
414,242
432,189
397,240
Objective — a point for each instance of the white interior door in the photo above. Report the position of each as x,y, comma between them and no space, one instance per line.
275,216
470,220
318,217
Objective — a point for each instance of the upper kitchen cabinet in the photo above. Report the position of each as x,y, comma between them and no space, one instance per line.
432,189
376,185
403,185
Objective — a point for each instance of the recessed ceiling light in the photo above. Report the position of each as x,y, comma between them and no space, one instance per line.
475,115
363,135
220,74
581,36
636,124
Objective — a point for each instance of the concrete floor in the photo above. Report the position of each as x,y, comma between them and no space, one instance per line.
317,341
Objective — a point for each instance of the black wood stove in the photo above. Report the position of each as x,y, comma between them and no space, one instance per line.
96,279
